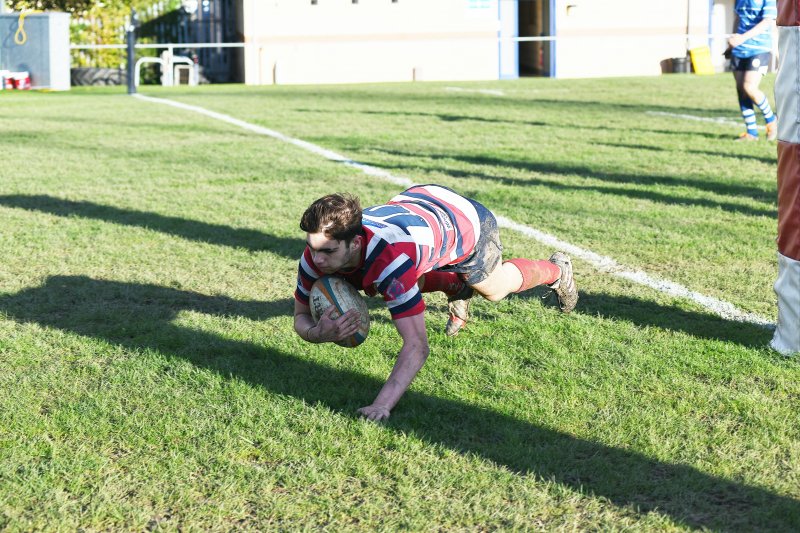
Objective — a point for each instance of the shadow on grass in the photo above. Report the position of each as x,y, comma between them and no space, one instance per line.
403,101
584,171
770,160
140,316
450,117
700,325
193,230
556,170
644,313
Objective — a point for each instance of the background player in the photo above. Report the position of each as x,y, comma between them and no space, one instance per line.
751,53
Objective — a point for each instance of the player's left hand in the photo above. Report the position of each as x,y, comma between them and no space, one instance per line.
331,329
376,413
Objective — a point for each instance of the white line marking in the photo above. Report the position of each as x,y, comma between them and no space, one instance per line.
606,264
716,120
491,92
602,263
328,154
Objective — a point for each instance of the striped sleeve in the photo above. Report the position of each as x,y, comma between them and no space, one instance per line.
307,274
394,276
770,9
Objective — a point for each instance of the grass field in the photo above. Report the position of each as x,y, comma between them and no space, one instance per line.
151,379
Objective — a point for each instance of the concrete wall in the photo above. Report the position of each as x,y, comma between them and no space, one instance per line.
338,41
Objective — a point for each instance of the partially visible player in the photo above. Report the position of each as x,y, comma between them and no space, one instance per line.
751,53
428,238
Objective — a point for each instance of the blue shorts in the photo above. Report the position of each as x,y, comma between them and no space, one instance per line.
758,63
487,253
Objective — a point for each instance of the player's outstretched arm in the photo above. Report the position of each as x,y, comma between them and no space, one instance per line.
412,356
327,329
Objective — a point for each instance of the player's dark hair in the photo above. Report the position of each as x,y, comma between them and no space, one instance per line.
337,215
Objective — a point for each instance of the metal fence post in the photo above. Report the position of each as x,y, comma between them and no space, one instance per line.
130,37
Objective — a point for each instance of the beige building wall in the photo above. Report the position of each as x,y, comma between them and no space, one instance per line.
351,41
625,37
339,41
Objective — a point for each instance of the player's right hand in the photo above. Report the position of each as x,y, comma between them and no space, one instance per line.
333,330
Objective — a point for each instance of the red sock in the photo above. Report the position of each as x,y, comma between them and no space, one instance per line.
446,282
535,272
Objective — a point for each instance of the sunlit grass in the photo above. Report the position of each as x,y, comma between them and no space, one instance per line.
151,377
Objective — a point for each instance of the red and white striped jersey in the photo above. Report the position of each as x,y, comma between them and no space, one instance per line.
422,228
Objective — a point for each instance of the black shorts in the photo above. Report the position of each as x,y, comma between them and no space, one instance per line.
487,253
758,63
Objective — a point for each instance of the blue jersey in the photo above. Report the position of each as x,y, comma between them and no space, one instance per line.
750,13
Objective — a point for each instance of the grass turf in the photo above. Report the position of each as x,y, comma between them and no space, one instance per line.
152,380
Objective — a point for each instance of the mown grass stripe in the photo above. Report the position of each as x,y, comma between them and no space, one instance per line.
602,263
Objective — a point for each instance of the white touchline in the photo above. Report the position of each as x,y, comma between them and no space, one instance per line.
491,92
606,264
602,263
717,120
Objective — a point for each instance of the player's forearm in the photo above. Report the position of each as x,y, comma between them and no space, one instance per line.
409,362
303,326
763,26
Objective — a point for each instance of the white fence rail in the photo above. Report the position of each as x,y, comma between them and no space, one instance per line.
547,38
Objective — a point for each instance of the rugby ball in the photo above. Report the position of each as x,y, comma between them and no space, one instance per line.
332,290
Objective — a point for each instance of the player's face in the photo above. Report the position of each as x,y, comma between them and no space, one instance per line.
331,255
